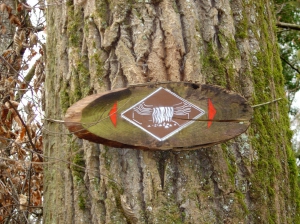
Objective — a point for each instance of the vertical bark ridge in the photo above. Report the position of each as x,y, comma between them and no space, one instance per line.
92,179
179,8
174,44
152,187
244,63
142,34
156,66
98,62
190,23
141,167
111,185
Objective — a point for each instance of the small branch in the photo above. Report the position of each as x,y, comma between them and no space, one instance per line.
29,183
53,120
262,104
292,66
288,25
278,10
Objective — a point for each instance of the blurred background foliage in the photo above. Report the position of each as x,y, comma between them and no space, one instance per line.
288,34
289,42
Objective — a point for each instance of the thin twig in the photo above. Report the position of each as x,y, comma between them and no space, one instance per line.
292,66
54,120
258,105
288,25
278,10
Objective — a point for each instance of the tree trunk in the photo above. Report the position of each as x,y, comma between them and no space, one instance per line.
98,45
7,29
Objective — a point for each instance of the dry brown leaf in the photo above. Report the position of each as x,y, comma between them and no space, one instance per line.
37,158
21,154
2,7
20,7
36,197
8,120
39,143
23,201
16,180
7,53
33,127
33,39
10,79
16,117
17,63
22,134
14,149
3,166
15,104
32,54
8,9
22,35
11,94
3,29
25,67
19,167
15,20
4,113
37,168
11,162
41,51
18,41
22,85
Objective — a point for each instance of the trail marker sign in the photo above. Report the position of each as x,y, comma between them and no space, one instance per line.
160,116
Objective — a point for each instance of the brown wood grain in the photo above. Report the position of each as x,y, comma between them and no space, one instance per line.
90,119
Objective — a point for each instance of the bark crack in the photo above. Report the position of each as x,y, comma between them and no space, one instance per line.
184,38
178,185
142,195
162,167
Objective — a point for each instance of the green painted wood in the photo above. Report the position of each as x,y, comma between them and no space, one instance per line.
99,118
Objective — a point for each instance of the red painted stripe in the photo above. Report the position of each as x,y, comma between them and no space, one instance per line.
211,113
113,114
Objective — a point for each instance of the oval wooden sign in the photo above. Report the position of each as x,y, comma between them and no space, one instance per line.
162,116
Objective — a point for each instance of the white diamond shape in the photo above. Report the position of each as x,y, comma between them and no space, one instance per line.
162,114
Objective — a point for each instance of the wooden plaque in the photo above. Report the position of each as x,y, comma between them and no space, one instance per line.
162,116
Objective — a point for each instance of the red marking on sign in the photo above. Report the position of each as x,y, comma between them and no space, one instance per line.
113,114
211,113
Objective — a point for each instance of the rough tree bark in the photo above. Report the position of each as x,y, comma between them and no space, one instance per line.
7,30
97,45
